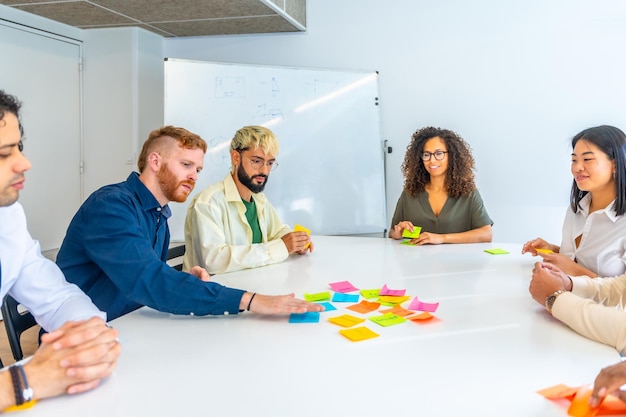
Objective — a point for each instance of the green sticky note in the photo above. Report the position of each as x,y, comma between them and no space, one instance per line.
412,235
496,251
388,319
408,243
369,294
320,296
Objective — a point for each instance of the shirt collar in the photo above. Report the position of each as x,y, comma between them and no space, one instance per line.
147,200
585,202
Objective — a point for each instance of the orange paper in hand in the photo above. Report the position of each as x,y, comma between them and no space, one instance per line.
580,404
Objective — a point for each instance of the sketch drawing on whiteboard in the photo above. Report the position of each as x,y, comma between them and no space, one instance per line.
275,89
319,87
230,87
265,114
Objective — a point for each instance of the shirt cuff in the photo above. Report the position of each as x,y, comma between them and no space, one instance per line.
277,250
228,301
583,286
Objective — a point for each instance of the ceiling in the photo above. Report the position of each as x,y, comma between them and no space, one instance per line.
174,18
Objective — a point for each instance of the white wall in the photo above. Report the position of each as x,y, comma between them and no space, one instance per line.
122,101
123,79
516,79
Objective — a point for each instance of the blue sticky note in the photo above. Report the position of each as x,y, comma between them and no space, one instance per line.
328,306
345,298
310,317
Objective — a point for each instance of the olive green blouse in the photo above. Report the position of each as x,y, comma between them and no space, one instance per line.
457,215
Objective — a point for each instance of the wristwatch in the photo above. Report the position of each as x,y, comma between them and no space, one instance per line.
551,299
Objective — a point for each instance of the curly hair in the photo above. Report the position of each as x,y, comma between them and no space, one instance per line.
459,180
10,104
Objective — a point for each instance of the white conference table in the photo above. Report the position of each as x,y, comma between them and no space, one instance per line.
489,350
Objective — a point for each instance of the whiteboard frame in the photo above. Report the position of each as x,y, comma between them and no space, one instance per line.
307,188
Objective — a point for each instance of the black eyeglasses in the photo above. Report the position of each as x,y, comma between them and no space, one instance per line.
439,155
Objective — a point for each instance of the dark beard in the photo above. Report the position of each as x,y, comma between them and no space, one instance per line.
247,181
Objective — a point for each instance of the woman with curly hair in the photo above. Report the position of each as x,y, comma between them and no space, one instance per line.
594,231
439,194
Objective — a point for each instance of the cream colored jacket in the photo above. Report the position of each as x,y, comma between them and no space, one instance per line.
594,309
218,236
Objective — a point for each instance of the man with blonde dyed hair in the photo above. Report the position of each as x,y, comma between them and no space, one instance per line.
116,246
231,225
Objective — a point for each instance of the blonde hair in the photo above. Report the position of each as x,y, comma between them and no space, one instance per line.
254,136
159,140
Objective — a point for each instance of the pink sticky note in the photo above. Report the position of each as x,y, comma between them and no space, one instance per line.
343,287
386,291
417,305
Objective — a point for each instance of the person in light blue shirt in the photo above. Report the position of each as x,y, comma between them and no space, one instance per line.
116,245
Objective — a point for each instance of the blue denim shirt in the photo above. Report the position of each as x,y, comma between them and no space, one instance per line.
115,251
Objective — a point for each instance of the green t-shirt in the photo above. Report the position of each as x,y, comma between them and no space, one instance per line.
253,220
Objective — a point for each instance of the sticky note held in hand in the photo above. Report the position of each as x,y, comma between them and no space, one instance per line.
544,251
412,235
300,228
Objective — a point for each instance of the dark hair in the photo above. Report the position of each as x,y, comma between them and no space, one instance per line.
460,174
10,104
612,142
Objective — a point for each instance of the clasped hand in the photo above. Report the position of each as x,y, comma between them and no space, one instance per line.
73,358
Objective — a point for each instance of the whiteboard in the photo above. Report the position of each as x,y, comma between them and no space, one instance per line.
330,177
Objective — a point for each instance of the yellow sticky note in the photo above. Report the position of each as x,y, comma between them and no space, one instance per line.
358,333
544,250
346,320
391,300
24,406
300,228
412,235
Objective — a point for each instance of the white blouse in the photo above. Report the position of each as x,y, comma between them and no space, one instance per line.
602,247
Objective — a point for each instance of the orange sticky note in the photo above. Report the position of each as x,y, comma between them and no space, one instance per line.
299,228
398,310
558,391
423,316
364,306
580,404
346,320
358,333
